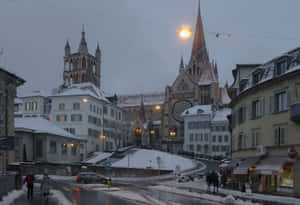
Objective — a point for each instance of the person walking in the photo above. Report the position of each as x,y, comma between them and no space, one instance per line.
45,187
208,181
30,181
215,181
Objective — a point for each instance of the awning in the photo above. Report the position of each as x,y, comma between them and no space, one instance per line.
245,165
270,165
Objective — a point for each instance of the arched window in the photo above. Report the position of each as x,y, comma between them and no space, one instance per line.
82,78
83,66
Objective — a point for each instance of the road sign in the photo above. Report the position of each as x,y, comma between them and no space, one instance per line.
107,165
7,142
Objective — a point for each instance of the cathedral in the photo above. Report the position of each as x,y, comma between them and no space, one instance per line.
197,83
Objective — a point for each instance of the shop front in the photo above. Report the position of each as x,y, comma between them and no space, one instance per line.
275,174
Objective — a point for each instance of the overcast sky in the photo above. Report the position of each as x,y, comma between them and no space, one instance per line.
138,38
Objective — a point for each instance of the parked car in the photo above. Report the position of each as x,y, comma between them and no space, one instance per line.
91,177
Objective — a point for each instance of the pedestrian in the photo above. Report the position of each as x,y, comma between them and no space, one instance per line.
215,181
208,181
29,179
223,179
45,187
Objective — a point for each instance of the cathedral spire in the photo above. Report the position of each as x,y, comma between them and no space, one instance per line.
67,48
181,67
199,47
83,45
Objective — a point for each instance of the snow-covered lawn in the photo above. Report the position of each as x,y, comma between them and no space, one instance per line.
13,195
144,158
98,156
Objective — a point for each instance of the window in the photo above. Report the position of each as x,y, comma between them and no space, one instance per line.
52,147
205,148
191,147
206,137
220,138
255,137
243,84
76,117
73,149
39,148
280,102
16,108
72,131
199,148
256,76
256,108
34,106
104,110
112,112
94,108
76,106
91,108
217,148
27,106
64,149
280,135
242,114
61,106
191,137
241,141
61,118
214,138
201,137
120,116
281,67
226,138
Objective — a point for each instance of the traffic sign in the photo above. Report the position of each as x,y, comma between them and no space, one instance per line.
7,142
107,165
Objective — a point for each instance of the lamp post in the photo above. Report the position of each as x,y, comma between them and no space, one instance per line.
102,137
138,133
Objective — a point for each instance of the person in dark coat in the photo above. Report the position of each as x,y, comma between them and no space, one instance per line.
208,181
215,181
30,181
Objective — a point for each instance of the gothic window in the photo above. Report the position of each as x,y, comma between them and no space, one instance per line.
83,63
194,69
198,71
82,78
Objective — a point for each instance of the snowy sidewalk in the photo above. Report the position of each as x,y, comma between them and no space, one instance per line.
200,186
19,197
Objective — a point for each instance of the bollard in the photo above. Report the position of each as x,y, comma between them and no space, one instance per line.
108,183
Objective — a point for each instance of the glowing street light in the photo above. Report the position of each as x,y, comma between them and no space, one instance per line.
185,33
85,100
157,107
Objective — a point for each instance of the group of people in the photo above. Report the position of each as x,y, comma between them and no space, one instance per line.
45,186
212,178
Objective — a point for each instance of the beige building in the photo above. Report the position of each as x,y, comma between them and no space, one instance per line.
265,123
8,84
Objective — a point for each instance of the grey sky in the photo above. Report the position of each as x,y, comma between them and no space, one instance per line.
138,38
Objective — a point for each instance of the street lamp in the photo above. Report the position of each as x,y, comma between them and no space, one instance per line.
85,100
157,107
172,133
138,134
102,137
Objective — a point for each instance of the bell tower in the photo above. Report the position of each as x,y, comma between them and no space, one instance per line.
81,66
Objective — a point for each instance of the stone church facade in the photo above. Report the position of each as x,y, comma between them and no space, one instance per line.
197,83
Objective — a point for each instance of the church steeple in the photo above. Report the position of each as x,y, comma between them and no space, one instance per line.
67,48
83,45
199,50
181,66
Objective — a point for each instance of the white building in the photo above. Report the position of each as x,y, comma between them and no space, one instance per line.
38,139
81,109
206,130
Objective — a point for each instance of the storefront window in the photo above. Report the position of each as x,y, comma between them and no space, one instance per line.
285,178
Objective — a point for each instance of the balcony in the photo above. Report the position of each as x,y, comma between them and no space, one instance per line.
295,112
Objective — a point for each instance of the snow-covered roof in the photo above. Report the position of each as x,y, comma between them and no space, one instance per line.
135,99
35,93
98,157
18,101
88,89
12,73
156,122
225,99
207,77
41,125
268,69
198,109
221,114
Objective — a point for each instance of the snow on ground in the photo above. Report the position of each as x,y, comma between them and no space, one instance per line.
201,186
209,197
60,197
56,177
144,158
98,156
13,195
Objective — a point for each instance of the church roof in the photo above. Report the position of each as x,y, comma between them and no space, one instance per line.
225,99
150,99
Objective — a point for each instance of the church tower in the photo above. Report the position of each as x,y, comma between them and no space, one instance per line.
81,67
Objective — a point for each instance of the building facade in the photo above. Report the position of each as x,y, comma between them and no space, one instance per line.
206,131
197,83
265,123
8,85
